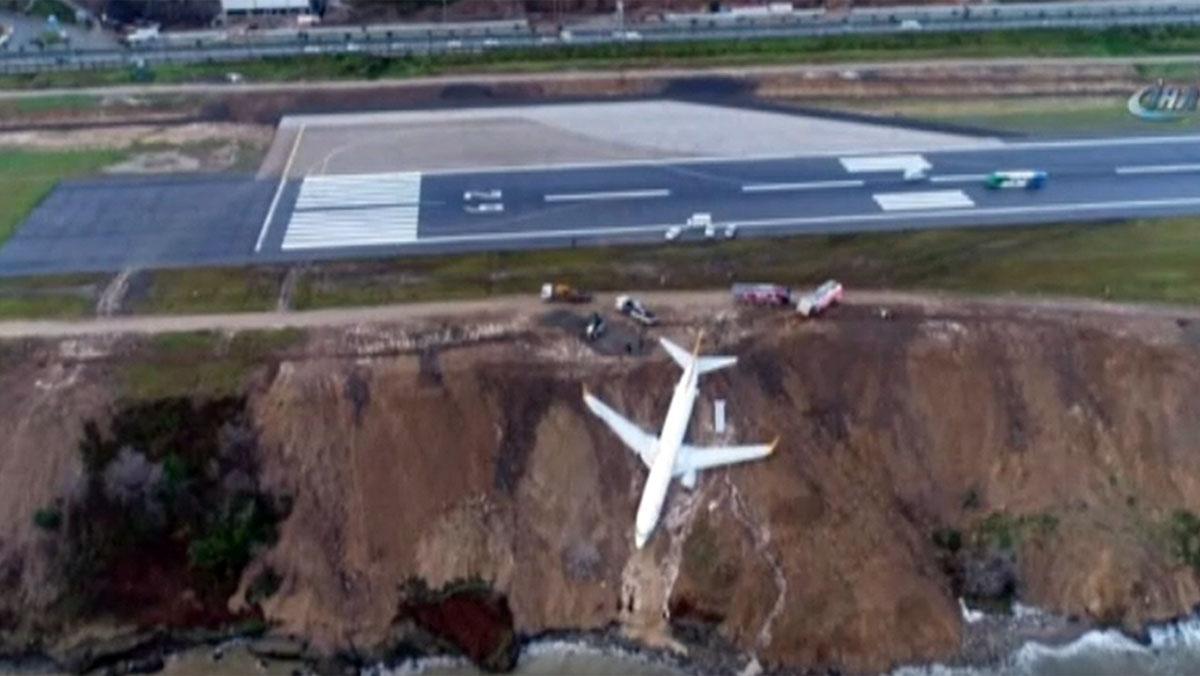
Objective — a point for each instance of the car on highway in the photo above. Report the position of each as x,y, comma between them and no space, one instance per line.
673,233
484,208
1025,178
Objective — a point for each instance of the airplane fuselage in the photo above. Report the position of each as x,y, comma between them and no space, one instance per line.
674,428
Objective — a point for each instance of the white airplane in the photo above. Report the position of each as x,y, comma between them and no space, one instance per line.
666,455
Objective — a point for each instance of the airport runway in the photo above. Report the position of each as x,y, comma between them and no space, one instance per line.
117,223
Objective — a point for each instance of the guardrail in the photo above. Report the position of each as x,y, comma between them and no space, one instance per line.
401,39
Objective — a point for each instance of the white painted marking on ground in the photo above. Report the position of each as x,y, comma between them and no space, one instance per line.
819,221
881,163
262,234
351,211
959,178
918,201
372,226
611,195
812,185
1159,169
325,192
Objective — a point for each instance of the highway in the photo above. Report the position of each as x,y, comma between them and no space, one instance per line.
396,40
111,224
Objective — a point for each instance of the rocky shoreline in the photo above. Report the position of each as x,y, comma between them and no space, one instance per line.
988,641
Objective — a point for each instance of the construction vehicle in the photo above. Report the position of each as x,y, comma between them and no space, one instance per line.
595,327
762,294
819,300
634,309
564,293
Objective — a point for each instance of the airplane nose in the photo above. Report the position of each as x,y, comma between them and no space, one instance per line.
640,540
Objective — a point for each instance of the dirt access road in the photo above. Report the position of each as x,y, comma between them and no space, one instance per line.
526,305
583,75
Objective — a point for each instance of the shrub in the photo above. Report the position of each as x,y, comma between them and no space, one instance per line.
48,518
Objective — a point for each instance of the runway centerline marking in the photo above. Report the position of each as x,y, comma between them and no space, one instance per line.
609,195
1158,169
811,185
919,201
287,169
959,178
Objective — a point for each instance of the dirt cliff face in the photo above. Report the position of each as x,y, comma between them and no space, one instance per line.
944,452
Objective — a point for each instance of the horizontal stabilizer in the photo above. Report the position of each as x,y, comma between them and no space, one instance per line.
686,359
642,443
696,458
707,364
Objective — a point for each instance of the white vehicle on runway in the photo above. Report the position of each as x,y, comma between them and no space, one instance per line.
495,194
484,208
1024,178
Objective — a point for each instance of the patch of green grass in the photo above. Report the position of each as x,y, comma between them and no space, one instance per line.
57,8
26,177
200,363
201,290
1024,115
1004,531
60,103
1151,260
1183,530
51,297
45,307
1123,41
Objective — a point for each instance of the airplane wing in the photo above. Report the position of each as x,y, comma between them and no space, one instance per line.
695,458
680,355
642,443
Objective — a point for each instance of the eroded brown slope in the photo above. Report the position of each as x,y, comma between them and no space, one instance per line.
1062,444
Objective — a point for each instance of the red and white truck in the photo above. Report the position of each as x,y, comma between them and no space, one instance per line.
762,294
820,299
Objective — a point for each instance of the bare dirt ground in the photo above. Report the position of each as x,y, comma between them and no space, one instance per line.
450,442
158,148
678,301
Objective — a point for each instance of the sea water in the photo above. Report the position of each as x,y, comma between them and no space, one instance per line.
1171,649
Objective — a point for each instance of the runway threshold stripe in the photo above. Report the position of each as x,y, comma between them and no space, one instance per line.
328,192
1159,169
611,195
335,212
812,185
913,201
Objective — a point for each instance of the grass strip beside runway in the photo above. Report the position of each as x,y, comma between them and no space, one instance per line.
1155,260
28,176
1150,260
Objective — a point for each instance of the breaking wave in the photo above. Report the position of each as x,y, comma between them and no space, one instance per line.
553,656
1170,649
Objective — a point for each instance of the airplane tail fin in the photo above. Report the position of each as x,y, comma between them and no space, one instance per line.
686,359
